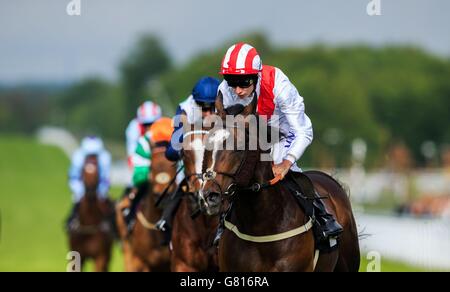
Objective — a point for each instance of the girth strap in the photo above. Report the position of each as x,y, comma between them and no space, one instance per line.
269,238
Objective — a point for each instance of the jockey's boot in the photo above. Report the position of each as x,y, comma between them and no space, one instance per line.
130,213
165,223
329,226
72,215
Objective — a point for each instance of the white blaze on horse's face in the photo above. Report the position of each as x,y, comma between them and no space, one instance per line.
90,168
217,139
199,152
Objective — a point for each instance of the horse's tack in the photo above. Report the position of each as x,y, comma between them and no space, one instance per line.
145,222
270,238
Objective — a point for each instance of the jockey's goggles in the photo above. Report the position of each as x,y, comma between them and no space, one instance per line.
241,81
206,106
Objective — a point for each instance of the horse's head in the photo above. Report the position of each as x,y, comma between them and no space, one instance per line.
194,151
162,170
237,158
91,176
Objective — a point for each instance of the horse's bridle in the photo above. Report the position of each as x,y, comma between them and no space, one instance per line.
156,148
240,183
198,176
194,132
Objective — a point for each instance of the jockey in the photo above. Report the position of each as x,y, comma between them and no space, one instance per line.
197,106
90,145
246,78
200,104
158,131
147,114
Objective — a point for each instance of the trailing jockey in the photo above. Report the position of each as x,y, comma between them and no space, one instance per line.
139,155
200,104
90,145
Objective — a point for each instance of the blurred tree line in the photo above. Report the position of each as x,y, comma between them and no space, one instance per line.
381,95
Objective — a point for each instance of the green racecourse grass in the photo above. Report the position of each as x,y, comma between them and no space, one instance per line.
34,201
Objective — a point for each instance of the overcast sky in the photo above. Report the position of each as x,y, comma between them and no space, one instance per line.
40,42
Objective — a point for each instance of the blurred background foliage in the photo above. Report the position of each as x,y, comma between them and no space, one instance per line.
383,95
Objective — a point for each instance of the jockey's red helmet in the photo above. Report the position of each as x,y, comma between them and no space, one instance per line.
241,59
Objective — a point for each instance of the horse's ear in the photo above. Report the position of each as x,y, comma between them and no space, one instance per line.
235,110
219,106
251,108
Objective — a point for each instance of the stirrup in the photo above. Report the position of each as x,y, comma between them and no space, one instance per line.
126,212
218,236
161,225
130,226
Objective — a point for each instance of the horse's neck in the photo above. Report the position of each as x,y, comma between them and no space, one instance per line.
90,211
270,207
90,199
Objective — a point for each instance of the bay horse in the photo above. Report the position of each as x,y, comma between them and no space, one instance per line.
93,233
143,248
192,237
266,230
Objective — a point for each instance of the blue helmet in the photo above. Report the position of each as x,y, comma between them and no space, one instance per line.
206,90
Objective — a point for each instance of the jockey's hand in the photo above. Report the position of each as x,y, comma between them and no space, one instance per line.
132,194
124,203
126,200
282,168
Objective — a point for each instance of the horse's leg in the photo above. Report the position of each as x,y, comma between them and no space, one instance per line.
137,265
127,255
178,265
159,259
101,263
349,254
339,205
327,262
187,254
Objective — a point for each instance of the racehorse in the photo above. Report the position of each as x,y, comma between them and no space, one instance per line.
143,248
93,233
266,230
193,230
